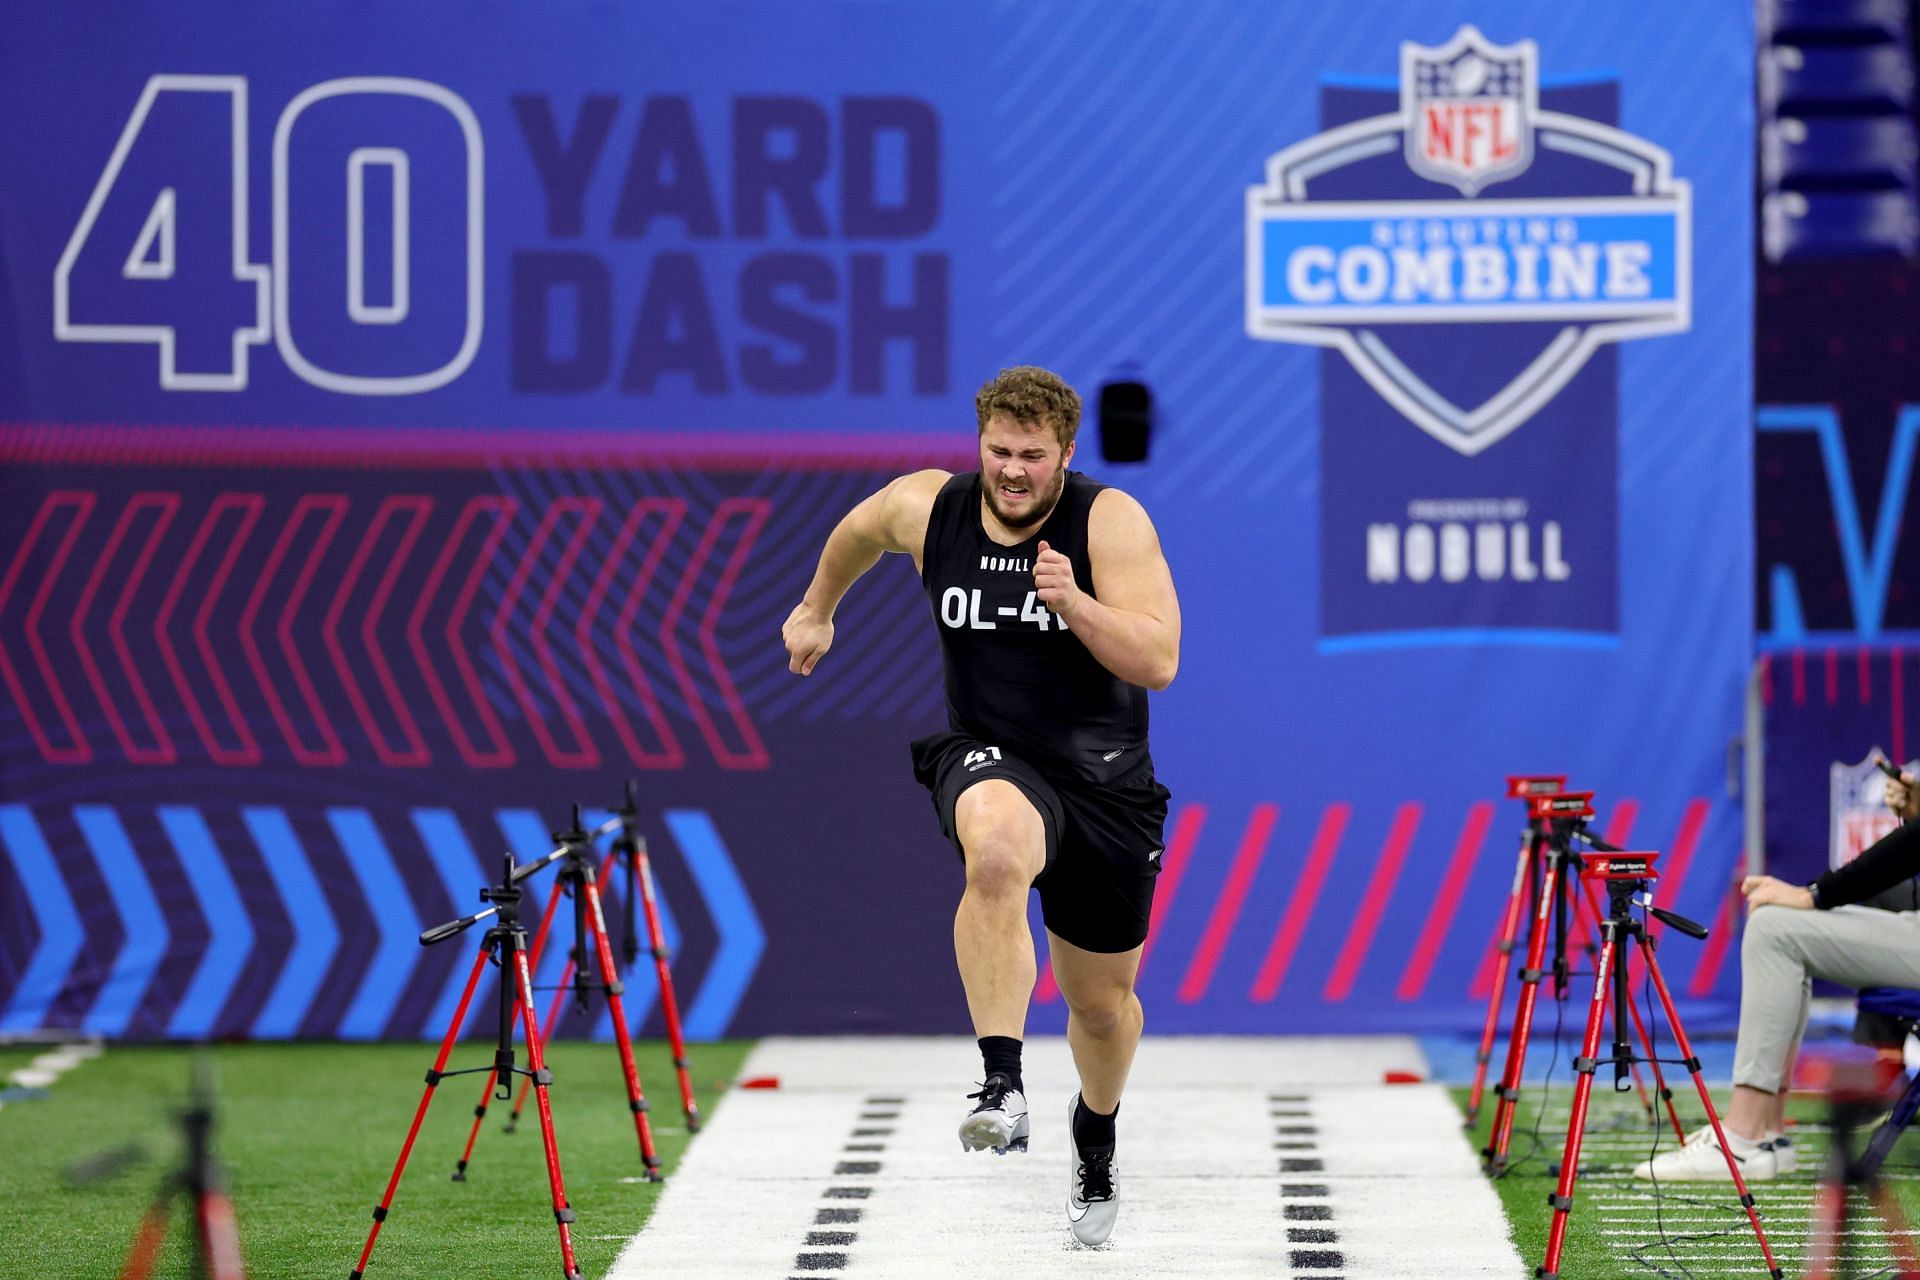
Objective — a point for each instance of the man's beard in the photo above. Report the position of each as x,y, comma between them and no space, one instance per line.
1041,509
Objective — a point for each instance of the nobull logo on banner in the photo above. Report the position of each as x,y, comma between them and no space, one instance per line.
1466,244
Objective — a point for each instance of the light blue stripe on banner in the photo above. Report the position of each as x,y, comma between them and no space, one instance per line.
643,984
139,960
741,938
528,837
1470,636
229,931
385,980
461,872
315,936
1869,568
60,933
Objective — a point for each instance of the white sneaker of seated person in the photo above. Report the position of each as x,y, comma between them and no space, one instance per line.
1699,1159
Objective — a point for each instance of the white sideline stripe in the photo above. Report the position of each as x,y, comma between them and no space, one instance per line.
43,1069
1199,1177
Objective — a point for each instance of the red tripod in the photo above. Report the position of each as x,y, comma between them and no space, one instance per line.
1626,877
1532,841
1858,1092
216,1237
505,944
631,849
1563,817
576,880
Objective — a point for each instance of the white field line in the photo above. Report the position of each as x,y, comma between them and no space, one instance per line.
785,1182
44,1069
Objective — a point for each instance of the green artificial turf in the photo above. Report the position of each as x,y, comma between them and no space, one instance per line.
309,1133
1619,1228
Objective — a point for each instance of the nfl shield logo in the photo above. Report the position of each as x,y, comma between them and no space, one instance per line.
1469,106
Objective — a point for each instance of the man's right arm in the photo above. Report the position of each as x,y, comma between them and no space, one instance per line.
894,519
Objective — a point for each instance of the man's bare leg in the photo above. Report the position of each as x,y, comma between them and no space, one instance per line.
1104,1017
1004,843
1005,846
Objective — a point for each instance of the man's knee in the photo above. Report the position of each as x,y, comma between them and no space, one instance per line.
1002,839
1772,928
1103,1011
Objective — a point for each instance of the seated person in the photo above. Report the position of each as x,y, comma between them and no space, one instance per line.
1793,936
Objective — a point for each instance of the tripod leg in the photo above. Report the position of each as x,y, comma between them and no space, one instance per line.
536,1062
1713,1116
670,1007
219,1237
486,1090
546,1034
420,1114
1508,1091
148,1239
1562,1197
1509,929
610,977
1590,900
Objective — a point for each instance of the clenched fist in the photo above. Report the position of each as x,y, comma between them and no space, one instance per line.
1903,797
1053,581
808,636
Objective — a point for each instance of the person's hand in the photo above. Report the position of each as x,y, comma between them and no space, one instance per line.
808,636
1765,891
1053,581
1903,797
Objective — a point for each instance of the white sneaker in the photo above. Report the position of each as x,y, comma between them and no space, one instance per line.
999,1123
1700,1159
1093,1202
1785,1160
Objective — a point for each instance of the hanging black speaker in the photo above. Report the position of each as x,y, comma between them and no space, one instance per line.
1126,421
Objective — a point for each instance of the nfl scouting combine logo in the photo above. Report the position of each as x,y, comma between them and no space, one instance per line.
1468,242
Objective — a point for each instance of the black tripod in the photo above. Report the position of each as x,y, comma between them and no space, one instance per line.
200,1182
1627,877
505,944
576,879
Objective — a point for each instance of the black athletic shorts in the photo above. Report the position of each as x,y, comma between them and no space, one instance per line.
1103,842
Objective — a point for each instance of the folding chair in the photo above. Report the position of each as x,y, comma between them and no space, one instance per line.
1902,1004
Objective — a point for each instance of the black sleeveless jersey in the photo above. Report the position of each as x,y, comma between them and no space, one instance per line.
1016,676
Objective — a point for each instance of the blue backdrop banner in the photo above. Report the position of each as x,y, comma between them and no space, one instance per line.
418,420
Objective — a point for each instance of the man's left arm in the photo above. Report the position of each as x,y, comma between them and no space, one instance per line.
1132,624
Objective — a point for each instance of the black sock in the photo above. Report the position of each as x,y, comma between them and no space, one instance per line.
1090,1128
1002,1057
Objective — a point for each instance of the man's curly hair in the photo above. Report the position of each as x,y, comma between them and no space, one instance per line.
1029,394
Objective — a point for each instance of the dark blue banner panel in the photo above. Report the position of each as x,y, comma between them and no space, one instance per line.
404,439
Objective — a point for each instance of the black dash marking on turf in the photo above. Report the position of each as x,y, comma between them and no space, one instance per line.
1290,1113
838,1237
877,1100
879,1115
1307,1213
865,1146
822,1217
1298,1164
1292,1136
849,1167
872,1133
847,1193
1286,1097
1316,1259
1291,1145
1296,1128
1312,1235
1303,1190
821,1261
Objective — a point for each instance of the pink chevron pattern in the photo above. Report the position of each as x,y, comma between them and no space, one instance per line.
246,750
582,754
750,752
159,747
76,749
234,618
415,755
329,751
